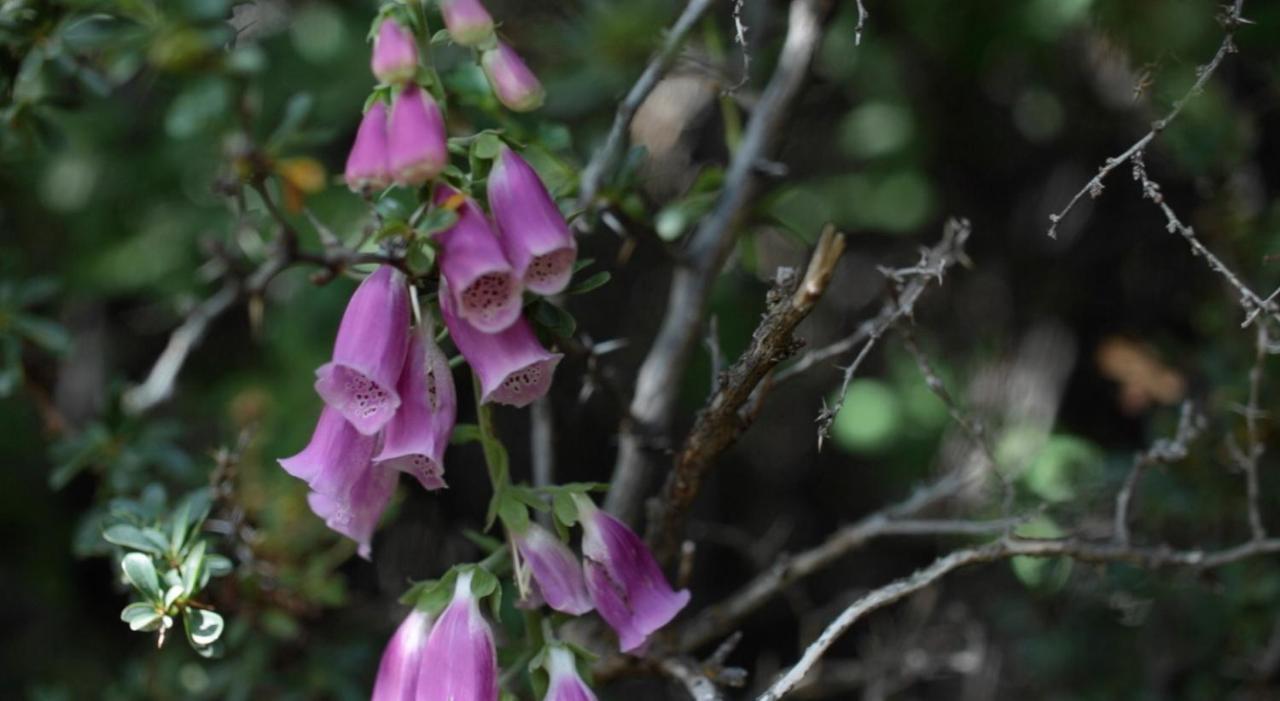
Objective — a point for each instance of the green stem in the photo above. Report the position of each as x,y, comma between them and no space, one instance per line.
494,454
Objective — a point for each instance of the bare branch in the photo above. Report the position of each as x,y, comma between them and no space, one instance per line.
1162,451
691,677
907,284
1094,187
728,412
607,156
1151,557
658,379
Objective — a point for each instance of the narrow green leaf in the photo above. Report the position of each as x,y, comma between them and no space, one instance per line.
598,280
128,536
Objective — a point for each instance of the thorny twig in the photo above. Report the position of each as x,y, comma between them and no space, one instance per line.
657,381
727,412
1094,187
607,156
907,284
1005,548
1163,451
1247,458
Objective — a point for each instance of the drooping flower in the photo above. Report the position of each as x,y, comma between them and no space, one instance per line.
512,365
415,439
468,22
461,653
624,580
416,137
336,456
402,661
556,571
486,291
395,54
535,236
368,164
513,83
355,511
369,353
565,684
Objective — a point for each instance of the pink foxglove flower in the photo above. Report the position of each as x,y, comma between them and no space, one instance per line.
336,456
403,661
468,22
534,233
565,684
463,662
513,83
625,582
556,571
486,291
513,366
415,439
355,511
369,353
395,54
368,164
416,137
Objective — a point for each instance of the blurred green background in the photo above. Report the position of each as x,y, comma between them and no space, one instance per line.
119,122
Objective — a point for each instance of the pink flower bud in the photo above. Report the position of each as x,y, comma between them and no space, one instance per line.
565,684
416,438
395,54
535,236
468,22
368,164
464,665
360,382
556,571
403,662
515,85
486,291
513,367
416,141
625,582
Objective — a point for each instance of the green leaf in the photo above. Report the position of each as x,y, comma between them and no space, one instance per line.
514,513
565,510
295,113
440,37
437,220
598,280
203,627
151,620
193,568
44,333
141,573
128,536
465,433
554,319
172,594
190,514
487,146
138,610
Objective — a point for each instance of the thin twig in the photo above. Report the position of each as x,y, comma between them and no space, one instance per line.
906,286
1162,452
658,381
607,156
1094,187
691,677
1148,557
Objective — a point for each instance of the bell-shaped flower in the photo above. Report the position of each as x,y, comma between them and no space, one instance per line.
415,439
468,22
515,85
395,53
416,137
369,164
464,665
535,236
512,365
335,458
355,511
624,580
486,291
369,353
557,574
565,684
402,661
